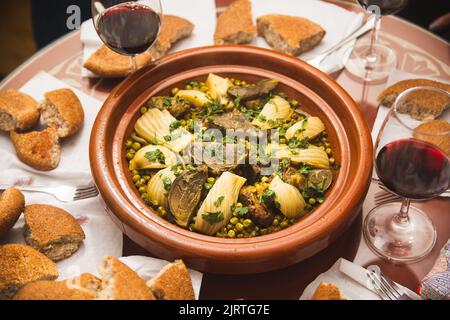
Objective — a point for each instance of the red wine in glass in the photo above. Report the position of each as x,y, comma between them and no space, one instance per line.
413,169
387,7
129,28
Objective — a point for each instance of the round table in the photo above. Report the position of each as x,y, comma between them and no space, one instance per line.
419,52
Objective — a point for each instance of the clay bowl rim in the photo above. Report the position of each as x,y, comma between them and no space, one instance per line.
322,221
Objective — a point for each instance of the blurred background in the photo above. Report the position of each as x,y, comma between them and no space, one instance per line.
30,25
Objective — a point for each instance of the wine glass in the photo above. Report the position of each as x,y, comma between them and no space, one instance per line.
412,161
127,27
370,60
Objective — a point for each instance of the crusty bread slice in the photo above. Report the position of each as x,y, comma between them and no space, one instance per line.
434,132
288,34
327,291
425,104
235,25
52,231
20,265
122,283
83,287
107,63
173,29
40,150
18,111
62,111
12,203
173,283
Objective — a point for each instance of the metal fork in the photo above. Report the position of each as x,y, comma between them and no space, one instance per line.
385,287
385,196
317,60
62,193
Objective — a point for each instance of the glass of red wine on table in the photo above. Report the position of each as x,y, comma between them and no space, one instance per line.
370,60
127,27
410,163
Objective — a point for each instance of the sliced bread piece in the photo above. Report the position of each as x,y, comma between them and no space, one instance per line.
18,111
83,287
436,132
173,29
12,203
52,231
20,265
38,149
327,291
288,34
107,63
235,25
122,283
424,104
173,283
62,111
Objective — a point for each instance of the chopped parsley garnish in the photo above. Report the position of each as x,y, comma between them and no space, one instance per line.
155,156
213,217
167,183
295,143
167,101
219,201
336,166
267,196
262,118
168,138
304,170
174,125
241,211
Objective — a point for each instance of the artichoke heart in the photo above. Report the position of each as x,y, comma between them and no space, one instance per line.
277,109
308,128
153,157
185,194
289,198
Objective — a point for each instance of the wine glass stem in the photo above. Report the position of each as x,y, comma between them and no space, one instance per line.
133,63
372,58
402,217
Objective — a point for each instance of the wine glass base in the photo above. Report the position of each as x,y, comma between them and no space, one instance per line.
371,64
399,242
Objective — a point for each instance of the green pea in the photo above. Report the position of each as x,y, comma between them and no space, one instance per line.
175,91
240,235
231,233
138,184
331,160
136,146
328,150
312,201
294,103
146,178
136,178
189,87
229,226
142,190
129,156
234,220
142,181
275,222
135,172
239,227
161,212
284,224
247,223
132,151
143,110
129,143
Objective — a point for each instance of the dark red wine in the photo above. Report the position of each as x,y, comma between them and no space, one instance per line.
129,28
387,7
413,169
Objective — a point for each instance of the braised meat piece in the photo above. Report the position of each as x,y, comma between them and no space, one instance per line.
258,211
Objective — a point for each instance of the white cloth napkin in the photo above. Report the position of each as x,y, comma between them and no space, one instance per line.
202,13
337,22
351,287
102,236
148,268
